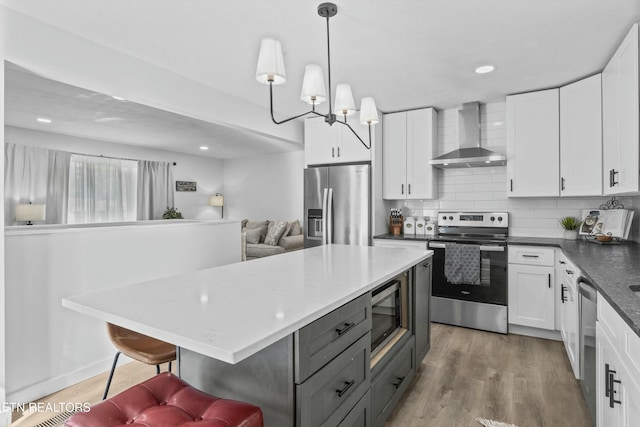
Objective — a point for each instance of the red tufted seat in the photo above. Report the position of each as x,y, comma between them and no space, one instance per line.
167,401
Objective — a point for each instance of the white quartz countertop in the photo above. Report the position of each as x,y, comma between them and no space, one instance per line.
231,312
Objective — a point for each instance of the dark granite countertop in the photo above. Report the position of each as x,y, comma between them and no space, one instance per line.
414,238
610,268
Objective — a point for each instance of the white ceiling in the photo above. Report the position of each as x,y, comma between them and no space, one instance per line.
405,53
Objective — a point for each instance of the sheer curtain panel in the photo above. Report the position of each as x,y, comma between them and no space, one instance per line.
155,189
36,175
101,190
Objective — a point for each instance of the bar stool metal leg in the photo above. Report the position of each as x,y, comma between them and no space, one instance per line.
113,368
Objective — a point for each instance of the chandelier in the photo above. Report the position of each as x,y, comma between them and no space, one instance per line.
270,71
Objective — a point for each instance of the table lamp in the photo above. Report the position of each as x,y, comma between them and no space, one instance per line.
217,200
30,212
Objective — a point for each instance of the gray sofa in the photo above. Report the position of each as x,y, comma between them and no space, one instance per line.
266,238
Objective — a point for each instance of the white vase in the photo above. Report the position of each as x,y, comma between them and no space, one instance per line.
570,234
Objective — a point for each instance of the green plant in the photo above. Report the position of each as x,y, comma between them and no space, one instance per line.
172,213
570,223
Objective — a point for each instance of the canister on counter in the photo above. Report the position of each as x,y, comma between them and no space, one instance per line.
420,226
409,225
430,229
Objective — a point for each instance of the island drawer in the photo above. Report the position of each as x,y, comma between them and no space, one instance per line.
391,382
319,342
360,415
330,394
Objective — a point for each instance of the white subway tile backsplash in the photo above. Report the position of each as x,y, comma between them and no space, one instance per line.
485,189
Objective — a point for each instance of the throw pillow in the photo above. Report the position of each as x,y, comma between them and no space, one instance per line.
259,224
295,228
275,232
253,234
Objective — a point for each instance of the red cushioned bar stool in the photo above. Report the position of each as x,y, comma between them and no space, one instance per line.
165,400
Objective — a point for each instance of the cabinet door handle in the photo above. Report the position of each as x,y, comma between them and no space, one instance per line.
409,188
562,184
530,256
347,326
610,178
511,185
549,280
399,383
402,190
613,177
338,151
612,391
562,262
569,271
562,297
346,387
333,152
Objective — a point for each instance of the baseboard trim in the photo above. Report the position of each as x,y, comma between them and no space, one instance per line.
44,388
535,332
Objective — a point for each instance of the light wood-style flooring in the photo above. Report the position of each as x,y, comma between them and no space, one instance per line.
510,378
467,374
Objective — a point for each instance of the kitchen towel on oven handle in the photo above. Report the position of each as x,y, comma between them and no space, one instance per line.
462,264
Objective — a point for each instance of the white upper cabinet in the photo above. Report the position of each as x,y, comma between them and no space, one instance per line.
324,144
533,144
581,138
621,118
409,142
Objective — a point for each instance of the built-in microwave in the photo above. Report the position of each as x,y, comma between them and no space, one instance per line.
388,314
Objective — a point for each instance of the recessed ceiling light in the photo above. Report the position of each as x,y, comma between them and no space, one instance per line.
44,120
204,147
485,69
119,98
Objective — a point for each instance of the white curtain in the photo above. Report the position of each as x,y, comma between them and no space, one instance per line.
101,190
35,175
155,189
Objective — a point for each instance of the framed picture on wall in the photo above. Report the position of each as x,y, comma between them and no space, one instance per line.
186,185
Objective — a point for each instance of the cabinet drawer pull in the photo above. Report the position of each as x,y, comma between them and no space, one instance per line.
399,383
347,326
569,271
530,256
346,387
562,262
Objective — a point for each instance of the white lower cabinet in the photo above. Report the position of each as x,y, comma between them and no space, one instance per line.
531,287
569,322
617,373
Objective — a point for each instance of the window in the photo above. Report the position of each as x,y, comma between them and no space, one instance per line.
102,190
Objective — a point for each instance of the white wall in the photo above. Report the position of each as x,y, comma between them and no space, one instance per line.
485,188
206,171
5,417
49,347
264,187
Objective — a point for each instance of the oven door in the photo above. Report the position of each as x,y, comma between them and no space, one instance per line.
493,276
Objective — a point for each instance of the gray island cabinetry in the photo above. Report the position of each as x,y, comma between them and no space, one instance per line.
323,374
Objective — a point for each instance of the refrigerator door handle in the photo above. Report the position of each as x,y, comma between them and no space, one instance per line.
325,214
329,229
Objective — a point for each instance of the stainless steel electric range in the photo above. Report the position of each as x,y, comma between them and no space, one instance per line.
478,298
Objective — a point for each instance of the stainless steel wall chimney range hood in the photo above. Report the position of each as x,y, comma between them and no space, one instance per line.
470,154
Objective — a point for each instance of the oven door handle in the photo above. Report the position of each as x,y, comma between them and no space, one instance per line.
433,245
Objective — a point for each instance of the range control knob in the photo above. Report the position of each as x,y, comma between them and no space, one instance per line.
444,218
450,218
499,218
493,218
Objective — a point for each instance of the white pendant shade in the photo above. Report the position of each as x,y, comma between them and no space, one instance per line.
313,85
270,63
368,111
344,100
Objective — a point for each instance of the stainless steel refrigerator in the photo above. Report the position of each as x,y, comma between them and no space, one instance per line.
337,205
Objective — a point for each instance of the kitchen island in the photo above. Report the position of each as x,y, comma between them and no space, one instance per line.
242,322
